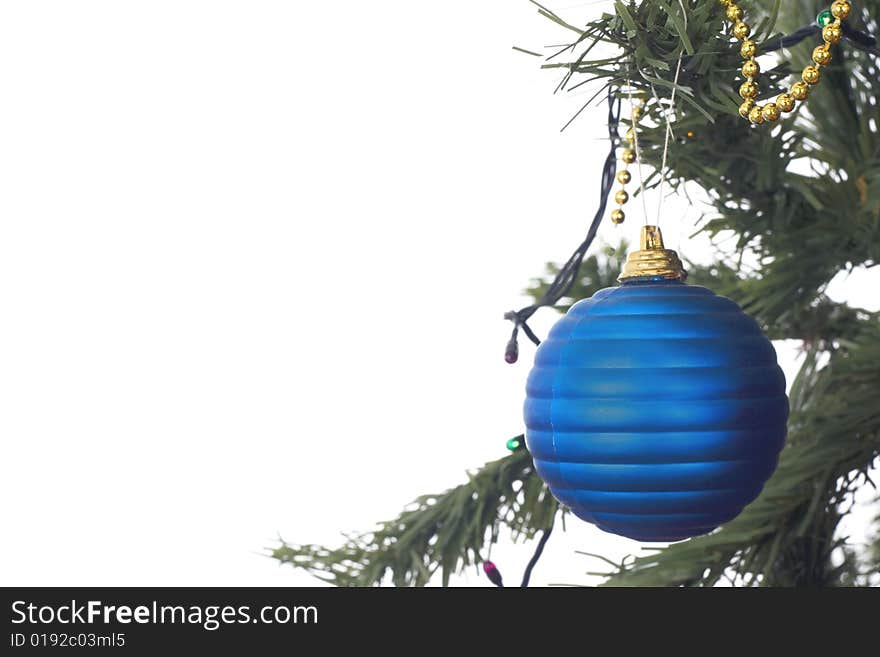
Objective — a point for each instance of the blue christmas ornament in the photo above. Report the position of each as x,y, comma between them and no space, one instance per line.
655,410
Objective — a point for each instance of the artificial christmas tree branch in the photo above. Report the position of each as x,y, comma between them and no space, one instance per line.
437,533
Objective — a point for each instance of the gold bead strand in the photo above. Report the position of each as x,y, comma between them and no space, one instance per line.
628,157
821,54
810,76
748,90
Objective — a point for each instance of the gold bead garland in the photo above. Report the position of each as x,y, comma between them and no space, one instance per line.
628,157
784,102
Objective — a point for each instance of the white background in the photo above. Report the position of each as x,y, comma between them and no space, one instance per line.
253,262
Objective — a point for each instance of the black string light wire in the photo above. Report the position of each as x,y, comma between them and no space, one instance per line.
560,286
567,276
539,550
859,40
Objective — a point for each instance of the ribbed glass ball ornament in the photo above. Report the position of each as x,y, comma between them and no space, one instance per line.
656,410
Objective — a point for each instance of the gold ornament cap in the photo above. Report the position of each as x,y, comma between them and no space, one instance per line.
652,261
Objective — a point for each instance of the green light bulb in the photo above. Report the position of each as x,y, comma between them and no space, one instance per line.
825,18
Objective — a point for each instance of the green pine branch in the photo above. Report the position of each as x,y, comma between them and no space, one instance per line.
445,532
